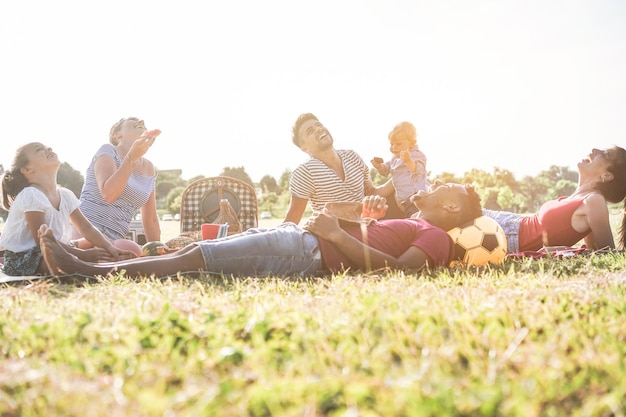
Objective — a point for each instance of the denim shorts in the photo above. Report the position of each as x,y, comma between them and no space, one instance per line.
109,233
510,223
285,250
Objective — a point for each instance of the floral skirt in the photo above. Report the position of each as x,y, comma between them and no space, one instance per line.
22,263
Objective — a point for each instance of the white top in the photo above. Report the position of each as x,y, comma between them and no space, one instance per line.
17,238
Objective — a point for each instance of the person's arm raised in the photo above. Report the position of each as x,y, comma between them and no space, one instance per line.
112,180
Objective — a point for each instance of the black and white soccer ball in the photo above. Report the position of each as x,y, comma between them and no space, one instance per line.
479,242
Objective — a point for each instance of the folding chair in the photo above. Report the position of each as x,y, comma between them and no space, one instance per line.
200,203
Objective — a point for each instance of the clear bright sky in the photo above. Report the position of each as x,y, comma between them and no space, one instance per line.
520,85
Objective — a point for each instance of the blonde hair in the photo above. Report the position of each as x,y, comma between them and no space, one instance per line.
117,127
404,131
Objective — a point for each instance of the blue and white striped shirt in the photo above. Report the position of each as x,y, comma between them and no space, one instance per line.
116,216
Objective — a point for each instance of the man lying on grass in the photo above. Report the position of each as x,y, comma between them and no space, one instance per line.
323,245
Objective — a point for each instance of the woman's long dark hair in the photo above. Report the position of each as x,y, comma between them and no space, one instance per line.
615,191
13,180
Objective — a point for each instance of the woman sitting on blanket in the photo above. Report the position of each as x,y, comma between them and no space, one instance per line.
120,181
32,197
582,215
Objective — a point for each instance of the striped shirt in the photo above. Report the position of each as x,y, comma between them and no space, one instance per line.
114,218
316,182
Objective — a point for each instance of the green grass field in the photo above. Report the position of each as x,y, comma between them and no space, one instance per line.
528,338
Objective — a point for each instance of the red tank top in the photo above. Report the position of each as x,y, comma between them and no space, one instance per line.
551,226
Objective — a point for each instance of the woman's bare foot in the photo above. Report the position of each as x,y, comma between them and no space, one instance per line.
58,260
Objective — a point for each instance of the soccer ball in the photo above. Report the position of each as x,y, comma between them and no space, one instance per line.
479,242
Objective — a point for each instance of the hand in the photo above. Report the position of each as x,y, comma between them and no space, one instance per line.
405,155
324,225
374,207
143,143
377,162
94,254
125,254
111,254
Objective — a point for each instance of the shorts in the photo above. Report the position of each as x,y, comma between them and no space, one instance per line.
109,233
510,223
22,263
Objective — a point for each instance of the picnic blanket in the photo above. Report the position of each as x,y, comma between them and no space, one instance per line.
4,278
560,253
8,278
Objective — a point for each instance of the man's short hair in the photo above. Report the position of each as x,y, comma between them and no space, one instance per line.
471,206
295,131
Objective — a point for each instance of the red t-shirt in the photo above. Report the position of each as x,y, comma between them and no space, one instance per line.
550,226
393,237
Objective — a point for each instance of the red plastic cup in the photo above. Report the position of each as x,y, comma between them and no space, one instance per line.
209,230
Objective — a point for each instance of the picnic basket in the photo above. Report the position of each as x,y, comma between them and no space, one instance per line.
200,203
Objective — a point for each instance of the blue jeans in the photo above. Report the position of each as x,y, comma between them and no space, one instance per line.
285,250
510,223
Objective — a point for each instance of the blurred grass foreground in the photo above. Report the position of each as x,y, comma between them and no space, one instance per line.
527,338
